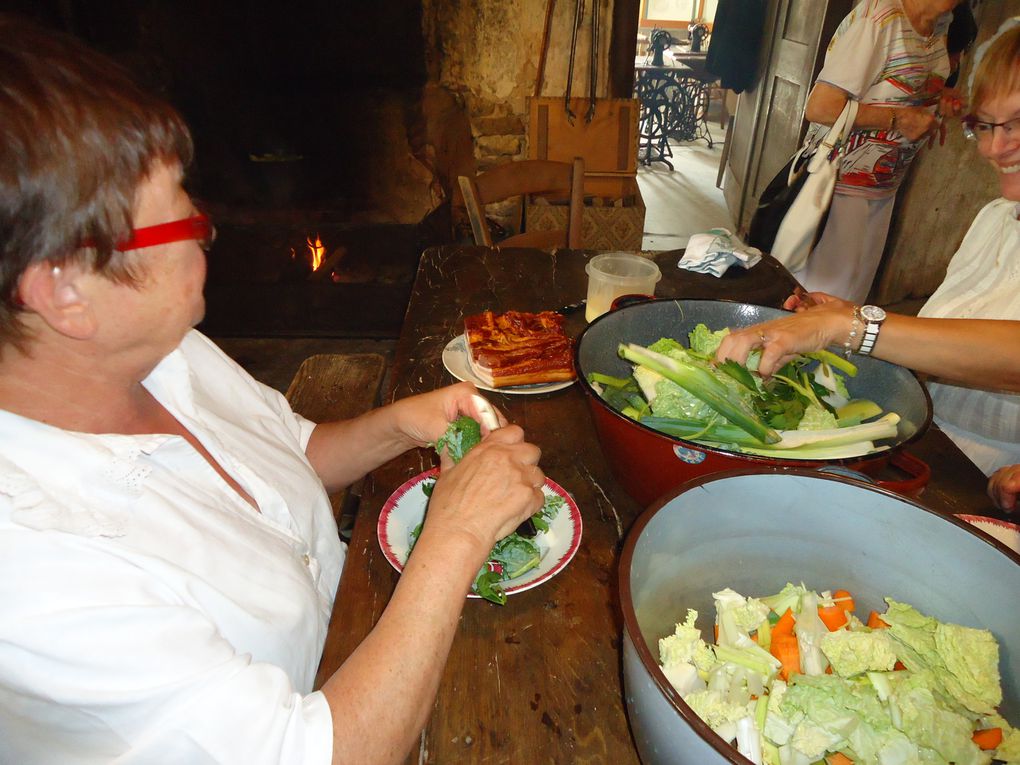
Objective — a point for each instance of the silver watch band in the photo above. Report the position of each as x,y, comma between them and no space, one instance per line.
870,336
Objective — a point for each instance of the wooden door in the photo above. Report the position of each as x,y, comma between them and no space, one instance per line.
769,123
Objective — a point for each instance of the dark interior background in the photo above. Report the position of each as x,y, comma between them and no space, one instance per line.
258,79
293,84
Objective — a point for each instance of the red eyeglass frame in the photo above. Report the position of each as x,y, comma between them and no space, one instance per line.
198,227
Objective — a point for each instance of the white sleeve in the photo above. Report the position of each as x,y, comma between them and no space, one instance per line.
100,660
201,350
855,58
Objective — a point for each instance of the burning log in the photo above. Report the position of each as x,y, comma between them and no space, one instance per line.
327,265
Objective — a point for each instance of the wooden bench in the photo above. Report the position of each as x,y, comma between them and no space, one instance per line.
338,386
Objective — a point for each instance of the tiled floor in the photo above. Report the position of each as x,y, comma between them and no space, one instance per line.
683,201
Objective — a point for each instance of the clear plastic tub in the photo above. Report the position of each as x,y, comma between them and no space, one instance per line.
612,274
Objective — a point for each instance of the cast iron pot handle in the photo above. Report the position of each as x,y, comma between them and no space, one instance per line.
918,474
625,300
917,470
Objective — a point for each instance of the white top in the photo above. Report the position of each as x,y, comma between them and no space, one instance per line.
982,282
877,57
148,614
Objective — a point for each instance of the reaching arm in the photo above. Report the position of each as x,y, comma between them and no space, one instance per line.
981,352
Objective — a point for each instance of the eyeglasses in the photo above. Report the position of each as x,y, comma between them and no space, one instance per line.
976,129
198,228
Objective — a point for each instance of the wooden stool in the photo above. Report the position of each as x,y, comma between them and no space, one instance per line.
338,386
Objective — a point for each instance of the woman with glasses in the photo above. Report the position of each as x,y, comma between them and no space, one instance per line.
967,336
891,57
168,555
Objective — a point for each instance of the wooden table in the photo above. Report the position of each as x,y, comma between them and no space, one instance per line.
539,680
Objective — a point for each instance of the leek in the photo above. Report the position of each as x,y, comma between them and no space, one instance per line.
702,384
833,360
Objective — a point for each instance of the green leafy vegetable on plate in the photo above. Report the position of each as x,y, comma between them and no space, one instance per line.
515,554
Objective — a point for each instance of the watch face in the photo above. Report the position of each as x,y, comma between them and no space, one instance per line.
872,313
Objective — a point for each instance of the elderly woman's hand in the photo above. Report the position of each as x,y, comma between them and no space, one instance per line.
491,491
1003,487
915,122
423,419
817,327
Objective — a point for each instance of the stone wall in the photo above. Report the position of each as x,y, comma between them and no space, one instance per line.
487,53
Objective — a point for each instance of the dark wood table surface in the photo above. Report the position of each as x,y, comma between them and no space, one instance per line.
539,679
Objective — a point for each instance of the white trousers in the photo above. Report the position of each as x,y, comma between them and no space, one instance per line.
846,258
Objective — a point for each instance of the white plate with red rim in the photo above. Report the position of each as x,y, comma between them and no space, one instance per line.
455,359
1006,532
405,509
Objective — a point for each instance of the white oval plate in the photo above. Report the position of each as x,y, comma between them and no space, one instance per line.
406,507
1006,532
455,360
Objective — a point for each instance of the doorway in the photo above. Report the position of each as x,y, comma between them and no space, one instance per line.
683,123
767,123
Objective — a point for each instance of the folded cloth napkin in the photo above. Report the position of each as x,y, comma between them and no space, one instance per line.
715,251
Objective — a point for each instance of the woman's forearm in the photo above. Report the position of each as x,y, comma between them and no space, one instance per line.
983,353
381,697
344,451
826,102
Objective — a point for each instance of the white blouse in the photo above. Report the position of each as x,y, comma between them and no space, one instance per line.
148,614
982,282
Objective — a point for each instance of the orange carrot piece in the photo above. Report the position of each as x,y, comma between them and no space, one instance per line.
784,647
844,600
987,738
899,666
833,617
785,624
875,621
717,633
838,758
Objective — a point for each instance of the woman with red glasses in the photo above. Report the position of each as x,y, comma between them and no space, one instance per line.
168,555
967,336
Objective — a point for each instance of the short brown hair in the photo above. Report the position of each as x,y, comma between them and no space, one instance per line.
77,137
998,71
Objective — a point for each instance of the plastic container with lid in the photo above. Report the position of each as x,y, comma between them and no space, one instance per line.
612,274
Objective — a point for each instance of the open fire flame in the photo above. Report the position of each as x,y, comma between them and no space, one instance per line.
317,251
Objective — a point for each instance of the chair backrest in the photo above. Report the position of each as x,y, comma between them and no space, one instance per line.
529,176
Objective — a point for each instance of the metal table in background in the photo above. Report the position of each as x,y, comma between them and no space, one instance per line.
539,679
674,105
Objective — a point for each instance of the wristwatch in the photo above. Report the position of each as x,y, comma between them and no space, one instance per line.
873,317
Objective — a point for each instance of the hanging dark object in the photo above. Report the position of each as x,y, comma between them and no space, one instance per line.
592,60
544,51
736,41
578,13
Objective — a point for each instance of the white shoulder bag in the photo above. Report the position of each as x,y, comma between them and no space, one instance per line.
801,225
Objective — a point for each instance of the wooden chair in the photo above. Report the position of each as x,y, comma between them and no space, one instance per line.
530,176
338,386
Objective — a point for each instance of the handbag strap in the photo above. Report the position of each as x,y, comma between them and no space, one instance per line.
836,135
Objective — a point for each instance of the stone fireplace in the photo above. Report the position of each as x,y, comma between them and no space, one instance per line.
349,121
